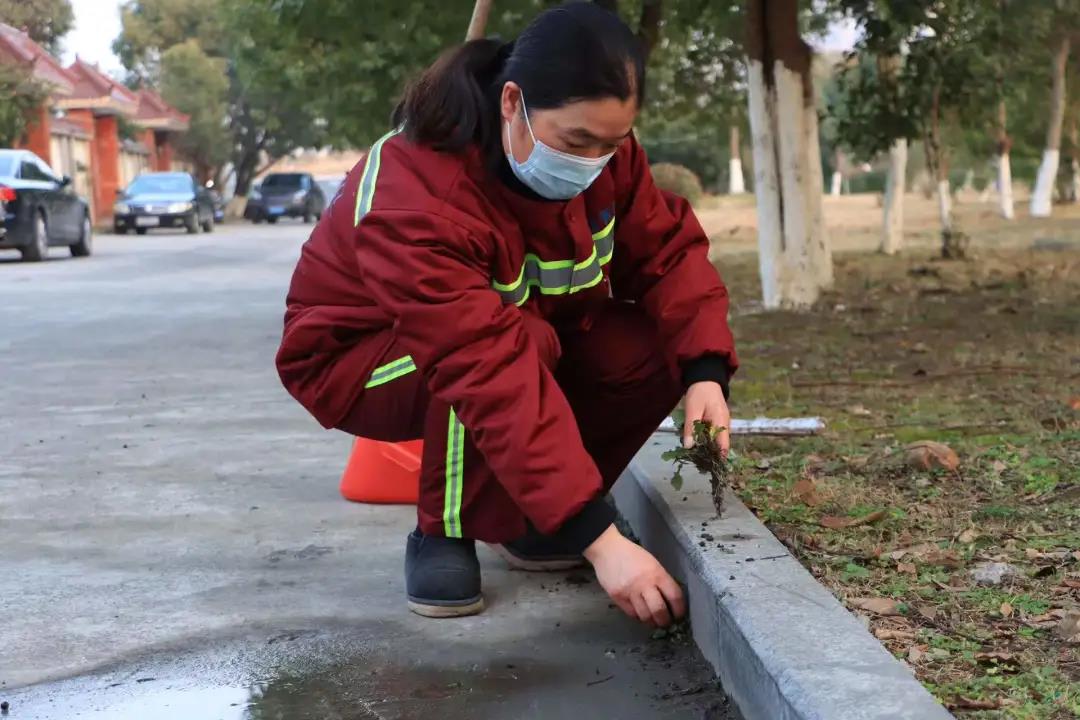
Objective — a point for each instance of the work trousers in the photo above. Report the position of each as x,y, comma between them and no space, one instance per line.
613,372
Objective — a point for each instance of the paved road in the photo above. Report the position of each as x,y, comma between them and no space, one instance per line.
172,544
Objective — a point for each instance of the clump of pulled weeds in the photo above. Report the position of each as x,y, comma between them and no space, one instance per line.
704,456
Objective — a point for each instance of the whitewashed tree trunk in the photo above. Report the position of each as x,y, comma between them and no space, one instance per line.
892,232
1043,195
837,184
969,181
736,181
795,258
944,205
1004,184
794,254
1076,181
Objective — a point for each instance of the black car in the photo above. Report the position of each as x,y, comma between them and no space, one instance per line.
163,199
285,195
38,209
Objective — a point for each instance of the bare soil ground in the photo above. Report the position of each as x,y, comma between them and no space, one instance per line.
982,356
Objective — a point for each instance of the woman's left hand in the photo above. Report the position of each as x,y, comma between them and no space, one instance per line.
705,401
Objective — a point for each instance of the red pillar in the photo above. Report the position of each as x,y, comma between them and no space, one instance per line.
106,154
164,152
149,139
39,134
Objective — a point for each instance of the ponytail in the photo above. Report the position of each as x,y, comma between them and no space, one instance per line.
571,52
450,105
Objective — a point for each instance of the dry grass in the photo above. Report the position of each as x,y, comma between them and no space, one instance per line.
983,355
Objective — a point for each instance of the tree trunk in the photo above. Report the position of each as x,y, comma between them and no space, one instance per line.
892,234
736,181
478,23
794,254
837,185
1074,161
953,243
1042,196
1004,164
649,27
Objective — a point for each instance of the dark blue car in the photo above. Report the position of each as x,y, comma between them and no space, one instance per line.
39,209
285,195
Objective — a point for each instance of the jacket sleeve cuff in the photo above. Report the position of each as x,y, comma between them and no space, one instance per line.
708,368
582,529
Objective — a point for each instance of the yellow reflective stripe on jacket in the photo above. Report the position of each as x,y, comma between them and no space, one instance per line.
561,277
365,193
391,371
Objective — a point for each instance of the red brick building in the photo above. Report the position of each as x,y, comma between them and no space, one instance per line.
77,130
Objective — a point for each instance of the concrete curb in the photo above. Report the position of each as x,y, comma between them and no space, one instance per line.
783,646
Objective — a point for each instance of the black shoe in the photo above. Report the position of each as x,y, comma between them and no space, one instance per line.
539,553
442,576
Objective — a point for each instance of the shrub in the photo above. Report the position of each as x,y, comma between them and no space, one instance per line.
677,179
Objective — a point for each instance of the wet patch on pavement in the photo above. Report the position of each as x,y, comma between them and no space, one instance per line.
299,674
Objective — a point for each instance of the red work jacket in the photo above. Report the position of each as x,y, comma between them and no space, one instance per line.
436,246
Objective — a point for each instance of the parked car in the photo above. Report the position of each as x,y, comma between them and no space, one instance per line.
163,199
285,195
39,209
330,187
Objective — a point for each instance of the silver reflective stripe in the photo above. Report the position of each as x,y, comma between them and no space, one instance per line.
560,277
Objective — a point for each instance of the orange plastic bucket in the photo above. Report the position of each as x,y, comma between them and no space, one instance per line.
383,472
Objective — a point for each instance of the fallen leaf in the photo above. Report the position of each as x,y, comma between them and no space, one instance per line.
1074,402
998,466
995,656
1006,610
805,491
859,410
891,634
1069,629
1032,554
930,455
908,568
834,522
927,611
915,653
878,606
1071,583
943,558
968,536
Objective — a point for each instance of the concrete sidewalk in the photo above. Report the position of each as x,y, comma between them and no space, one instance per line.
168,512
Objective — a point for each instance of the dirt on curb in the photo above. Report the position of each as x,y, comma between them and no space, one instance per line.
962,552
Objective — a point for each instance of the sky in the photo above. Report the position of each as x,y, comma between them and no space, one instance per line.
97,23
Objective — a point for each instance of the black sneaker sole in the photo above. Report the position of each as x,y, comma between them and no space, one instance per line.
430,609
553,564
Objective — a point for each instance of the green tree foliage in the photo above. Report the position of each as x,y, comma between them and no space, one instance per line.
229,64
150,27
696,87
19,95
198,85
45,21
919,63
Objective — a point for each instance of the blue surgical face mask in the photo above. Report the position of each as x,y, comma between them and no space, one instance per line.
552,173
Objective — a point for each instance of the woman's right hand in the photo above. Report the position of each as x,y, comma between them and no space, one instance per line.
635,580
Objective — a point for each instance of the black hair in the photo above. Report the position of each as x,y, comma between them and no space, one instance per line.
576,51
